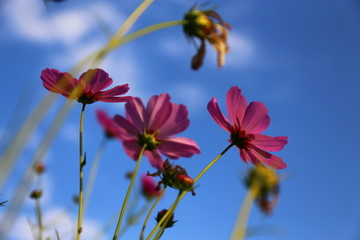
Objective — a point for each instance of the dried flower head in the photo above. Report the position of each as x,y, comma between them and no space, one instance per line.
39,168
206,25
265,183
175,177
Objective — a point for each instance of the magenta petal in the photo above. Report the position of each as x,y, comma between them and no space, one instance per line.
158,111
176,147
58,82
118,90
95,80
255,118
155,159
267,143
266,158
176,123
236,105
127,129
132,149
114,99
218,117
135,113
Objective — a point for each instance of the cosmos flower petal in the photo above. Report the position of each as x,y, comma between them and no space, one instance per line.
135,113
109,125
58,82
258,155
219,118
235,104
95,80
177,122
127,129
254,117
176,147
267,143
154,158
132,148
158,111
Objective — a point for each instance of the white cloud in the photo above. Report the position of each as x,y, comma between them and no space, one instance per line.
70,132
242,50
30,20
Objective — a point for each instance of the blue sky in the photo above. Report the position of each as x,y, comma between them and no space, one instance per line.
299,58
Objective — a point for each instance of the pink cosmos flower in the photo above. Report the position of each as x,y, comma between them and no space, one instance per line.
155,125
245,125
110,126
149,187
87,89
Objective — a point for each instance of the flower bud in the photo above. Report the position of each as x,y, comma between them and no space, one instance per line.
36,194
169,223
39,168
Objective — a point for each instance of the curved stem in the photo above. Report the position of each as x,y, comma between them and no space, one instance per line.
150,212
239,231
117,230
82,163
172,208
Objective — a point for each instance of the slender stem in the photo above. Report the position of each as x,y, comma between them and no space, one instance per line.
81,173
172,208
93,173
239,231
168,218
39,218
117,230
150,212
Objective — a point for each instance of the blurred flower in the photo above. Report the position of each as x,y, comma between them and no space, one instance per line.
36,194
39,168
87,89
161,214
149,187
245,125
154,125
110,127
265,184
175,177
207,25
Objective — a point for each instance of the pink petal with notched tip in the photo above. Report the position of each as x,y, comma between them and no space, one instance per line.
155,159
268,143
58,82
158,111
218,117
176,123
135,113
95,80
258,155
236,105
255,118
176,147
127,129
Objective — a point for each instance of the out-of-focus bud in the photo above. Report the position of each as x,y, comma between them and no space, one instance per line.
149,188
169,223
265,184
39,168
36,194
206,25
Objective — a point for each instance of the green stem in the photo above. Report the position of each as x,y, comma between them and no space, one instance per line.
150,212
39,218
93,173
172,208
82,163
239,231
122,212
